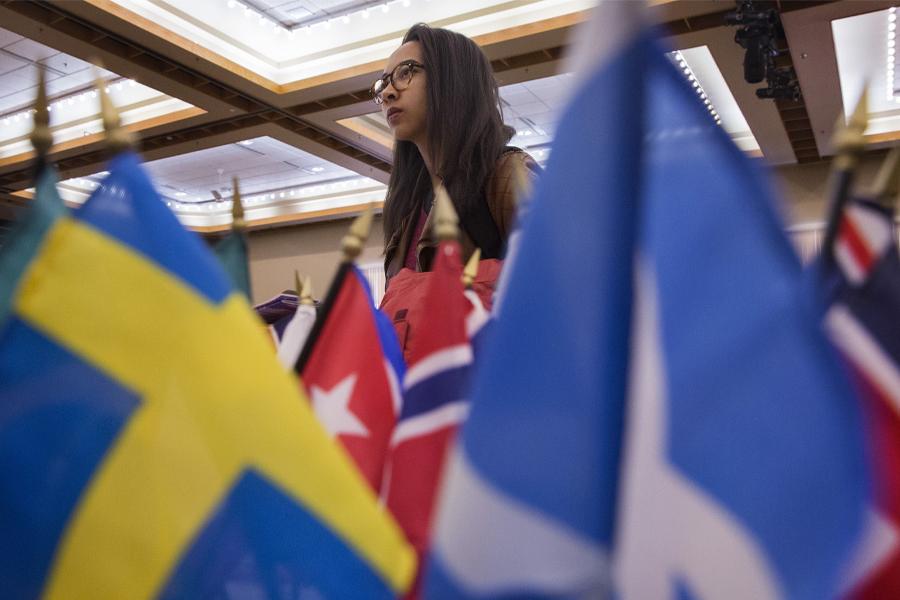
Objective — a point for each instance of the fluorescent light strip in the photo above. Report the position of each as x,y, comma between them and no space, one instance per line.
692,79
891,51
325,23
69,99
268,197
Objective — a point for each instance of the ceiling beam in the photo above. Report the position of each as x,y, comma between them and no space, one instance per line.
240,105
51,24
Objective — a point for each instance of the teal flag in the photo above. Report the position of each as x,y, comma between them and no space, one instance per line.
232,253
28,235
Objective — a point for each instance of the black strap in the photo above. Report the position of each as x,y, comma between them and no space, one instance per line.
479,223
481,228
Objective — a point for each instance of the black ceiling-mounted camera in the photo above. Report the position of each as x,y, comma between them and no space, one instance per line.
758,34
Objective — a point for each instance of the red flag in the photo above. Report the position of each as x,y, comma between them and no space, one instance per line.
350,368
435,400
404,301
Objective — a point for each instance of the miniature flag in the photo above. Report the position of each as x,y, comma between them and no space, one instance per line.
862,321
137,463
351,367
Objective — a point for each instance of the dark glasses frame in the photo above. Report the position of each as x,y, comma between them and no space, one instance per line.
380,84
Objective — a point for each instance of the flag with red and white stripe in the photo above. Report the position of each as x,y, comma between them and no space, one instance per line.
863,321
864,236
435,398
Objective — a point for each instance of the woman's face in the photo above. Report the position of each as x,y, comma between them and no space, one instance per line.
405,109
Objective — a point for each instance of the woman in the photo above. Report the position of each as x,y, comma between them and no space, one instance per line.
440,98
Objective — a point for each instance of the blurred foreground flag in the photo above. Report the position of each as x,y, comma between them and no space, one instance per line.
863,322
150,443
659,415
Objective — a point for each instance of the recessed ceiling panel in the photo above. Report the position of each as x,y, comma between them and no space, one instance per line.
297,13
704,75
272,175
259,35
263,165
865,50
532,109
74,108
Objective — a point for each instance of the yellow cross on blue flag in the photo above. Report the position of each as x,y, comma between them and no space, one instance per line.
150,443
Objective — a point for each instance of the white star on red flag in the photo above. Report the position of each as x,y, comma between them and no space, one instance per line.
332,407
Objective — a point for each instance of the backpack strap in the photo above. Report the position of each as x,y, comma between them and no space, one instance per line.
480,224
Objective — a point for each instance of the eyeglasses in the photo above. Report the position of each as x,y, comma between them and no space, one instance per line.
400,78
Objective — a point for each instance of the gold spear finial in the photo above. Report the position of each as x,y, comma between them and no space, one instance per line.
306,292
887,182
117,137
304,289
41,136
470,272
352,244
445,219
849,140
237,207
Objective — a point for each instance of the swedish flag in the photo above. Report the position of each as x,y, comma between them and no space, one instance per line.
150,443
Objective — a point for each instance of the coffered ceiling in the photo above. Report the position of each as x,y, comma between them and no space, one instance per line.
274,91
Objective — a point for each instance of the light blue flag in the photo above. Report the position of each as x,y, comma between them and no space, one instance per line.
28,235
659,415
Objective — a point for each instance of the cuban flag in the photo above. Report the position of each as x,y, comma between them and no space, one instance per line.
435,396
659,414
862,321
352,367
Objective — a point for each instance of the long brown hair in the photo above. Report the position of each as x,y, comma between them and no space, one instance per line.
464,125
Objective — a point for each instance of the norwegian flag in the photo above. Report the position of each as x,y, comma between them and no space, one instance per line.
351,366
435,398
863,321
478,321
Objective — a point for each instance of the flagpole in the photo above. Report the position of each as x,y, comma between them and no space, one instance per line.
298,286
306,292
887,182
303,288
118,139
351,245
849,141
41,135
471,269
446,221
45,207
238,224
